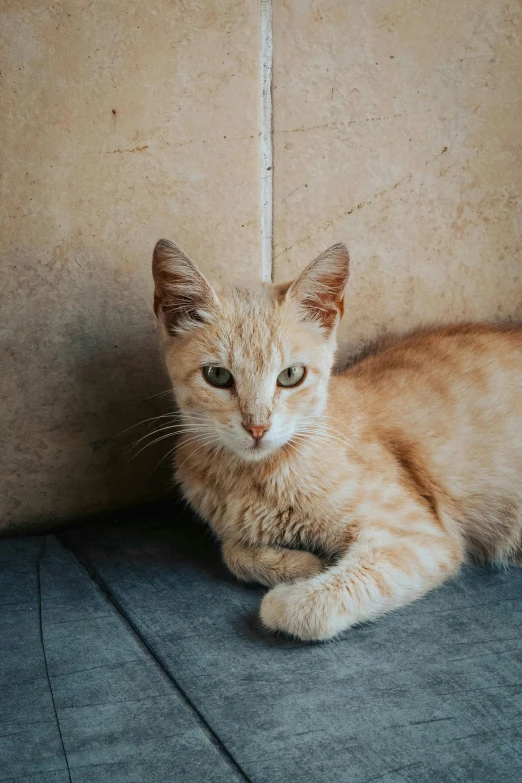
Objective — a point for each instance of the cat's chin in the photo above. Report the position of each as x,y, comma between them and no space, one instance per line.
256,452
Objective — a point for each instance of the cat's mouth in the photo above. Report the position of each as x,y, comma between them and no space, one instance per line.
257,445
258,449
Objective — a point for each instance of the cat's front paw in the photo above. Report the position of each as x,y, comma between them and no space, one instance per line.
299,609
296,564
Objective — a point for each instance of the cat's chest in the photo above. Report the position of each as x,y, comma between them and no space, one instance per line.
282,509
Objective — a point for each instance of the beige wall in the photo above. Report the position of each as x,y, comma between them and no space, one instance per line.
122,122
396,130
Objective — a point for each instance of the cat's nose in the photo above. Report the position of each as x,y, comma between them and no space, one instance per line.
256,430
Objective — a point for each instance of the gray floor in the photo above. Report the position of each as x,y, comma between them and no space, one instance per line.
127,653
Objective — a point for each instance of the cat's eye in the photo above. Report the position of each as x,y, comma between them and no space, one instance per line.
291,376
218,376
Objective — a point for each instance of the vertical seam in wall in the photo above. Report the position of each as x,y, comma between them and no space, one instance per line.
267,189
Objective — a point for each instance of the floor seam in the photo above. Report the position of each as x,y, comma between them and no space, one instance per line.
197,715
42,641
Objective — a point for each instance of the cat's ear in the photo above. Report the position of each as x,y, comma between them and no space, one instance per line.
183,299
319,289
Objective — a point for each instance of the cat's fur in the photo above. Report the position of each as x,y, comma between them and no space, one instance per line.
370,487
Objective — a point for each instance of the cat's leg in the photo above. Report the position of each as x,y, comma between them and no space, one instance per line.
269,565
382,571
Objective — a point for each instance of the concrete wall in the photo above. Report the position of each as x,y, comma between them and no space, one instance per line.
122,122
396,129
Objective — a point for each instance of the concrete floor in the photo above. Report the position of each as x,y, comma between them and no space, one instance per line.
127,653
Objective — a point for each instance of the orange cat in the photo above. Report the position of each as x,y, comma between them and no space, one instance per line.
352,494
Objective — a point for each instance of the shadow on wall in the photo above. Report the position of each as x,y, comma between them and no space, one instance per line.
93,343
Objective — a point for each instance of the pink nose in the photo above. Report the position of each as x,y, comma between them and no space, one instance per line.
257,430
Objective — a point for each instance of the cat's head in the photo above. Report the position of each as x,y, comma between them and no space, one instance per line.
249,364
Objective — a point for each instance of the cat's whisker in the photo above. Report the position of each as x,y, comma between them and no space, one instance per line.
329,438
169,414
199,436
184,416
177,308
215,450
322,416
207,443
324,430
318,423
174,424
164,437
326,436
165,456
178,424
144,421
175,429
169,434
291,446
318,427
158,394
169,453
